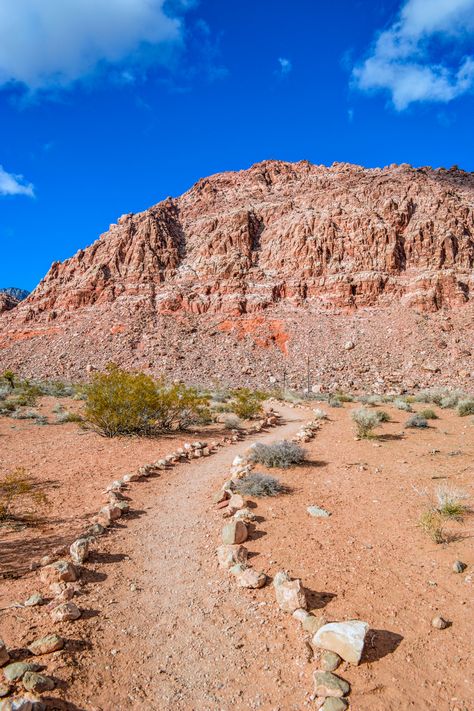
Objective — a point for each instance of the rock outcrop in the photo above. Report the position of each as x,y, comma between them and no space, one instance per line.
274,264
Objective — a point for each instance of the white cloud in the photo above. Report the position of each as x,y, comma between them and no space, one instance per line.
11,184
285,66
409,58
52,43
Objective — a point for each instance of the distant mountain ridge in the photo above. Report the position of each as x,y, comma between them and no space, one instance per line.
14,291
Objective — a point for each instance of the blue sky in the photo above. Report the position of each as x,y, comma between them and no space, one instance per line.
109,106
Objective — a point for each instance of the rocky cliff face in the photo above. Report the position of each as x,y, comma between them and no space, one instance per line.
259,255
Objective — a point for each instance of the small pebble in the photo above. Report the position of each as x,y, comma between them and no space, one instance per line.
459,566
439,623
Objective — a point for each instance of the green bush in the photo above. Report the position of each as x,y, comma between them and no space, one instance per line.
119,402
247,403
280,454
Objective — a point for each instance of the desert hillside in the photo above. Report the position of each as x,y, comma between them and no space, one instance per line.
367,274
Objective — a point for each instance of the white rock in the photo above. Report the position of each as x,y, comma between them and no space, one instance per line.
344,638
79,550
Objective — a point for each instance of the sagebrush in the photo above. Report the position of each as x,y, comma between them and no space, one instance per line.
280,454
366,421
255,484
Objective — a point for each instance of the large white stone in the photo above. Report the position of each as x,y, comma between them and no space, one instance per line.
344,638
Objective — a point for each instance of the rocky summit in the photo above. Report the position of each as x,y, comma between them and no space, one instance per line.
363,277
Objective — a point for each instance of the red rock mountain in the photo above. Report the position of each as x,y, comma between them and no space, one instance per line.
368,274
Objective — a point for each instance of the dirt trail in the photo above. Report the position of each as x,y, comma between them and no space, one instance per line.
173,631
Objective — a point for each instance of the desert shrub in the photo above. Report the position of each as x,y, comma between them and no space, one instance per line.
428,414
7,407
451,502
27,394
442,396
365,421
15,487
65,416
255,484
432,523
382,416
334,402
9,377
280,454
232,422
220,394
56,388
417,420
466,407
343,397
26,415
122,403
320,414
247,403
402,405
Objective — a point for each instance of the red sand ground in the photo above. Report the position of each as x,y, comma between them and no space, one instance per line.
163,628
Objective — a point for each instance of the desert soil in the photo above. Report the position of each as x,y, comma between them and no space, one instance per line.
164,628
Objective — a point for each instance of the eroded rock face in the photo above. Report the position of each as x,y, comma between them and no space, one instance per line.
248,257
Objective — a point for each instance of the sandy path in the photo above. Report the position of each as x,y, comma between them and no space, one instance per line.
174,632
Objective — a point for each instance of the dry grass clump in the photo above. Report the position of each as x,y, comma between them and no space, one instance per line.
432,523
15,488
417,421
255,484
280,454
466,407
428,414
366,421
66,416
319,414
122,403
451,502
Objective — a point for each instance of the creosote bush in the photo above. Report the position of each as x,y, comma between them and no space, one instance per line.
247,403
366,421
15,487
280,454
119,402
417,421
466,407
255,484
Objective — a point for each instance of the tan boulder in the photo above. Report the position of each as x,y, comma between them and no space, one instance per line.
229,555
234,532
60,571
